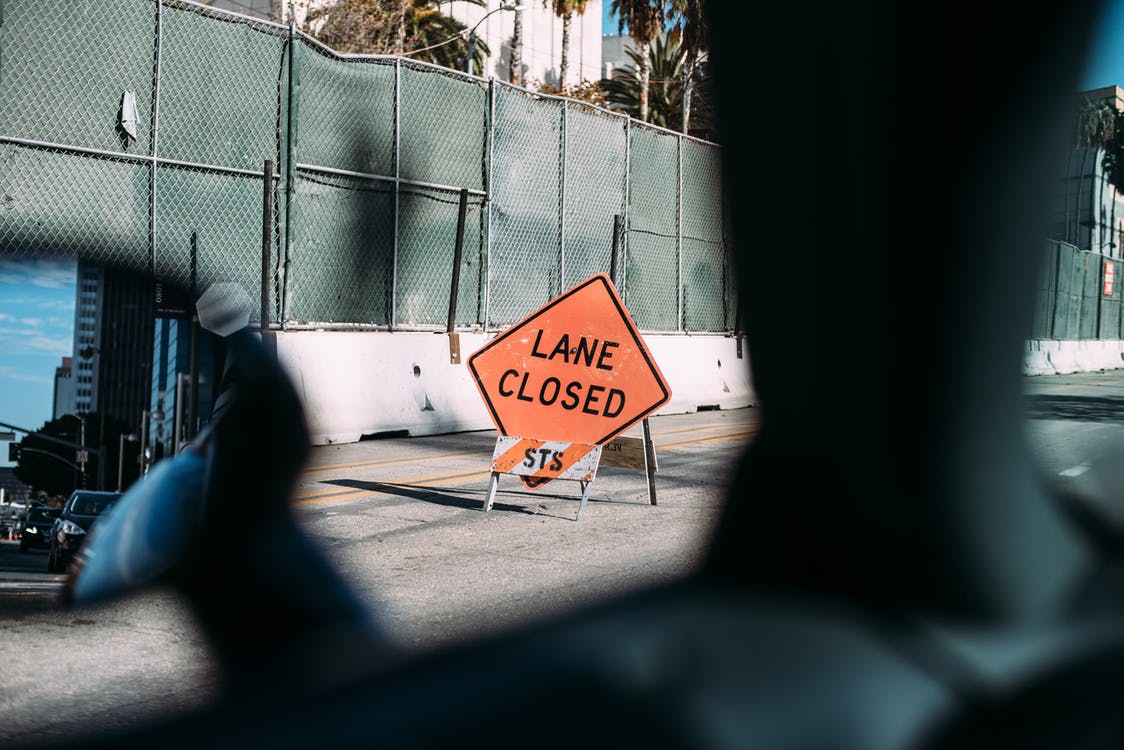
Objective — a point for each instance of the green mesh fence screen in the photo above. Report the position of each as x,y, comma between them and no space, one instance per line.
426,250
595,148
526,198
370,155
705,299
66,65
346,112
67,204
218,90
443,127
209,227
653,218
341,250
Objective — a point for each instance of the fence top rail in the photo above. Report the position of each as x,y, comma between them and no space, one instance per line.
606,111
389,59
451,72
232,15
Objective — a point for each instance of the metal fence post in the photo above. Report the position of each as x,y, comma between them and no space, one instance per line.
154,140
455,284
293,102
681,321
266,240
486,269
614,257
392,318
562,202
627,201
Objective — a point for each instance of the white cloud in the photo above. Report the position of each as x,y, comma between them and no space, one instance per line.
32,322
44,273
60,345
12,373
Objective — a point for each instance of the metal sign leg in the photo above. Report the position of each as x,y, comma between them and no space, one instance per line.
650,462
493,485
585,496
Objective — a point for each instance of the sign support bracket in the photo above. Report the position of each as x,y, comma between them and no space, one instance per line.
494,483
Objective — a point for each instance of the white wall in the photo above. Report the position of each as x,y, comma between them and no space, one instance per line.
361,383
542,40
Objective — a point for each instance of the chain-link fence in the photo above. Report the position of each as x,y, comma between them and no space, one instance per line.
368,159
1079,295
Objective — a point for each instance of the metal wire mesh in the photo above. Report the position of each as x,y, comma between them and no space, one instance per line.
595,151
653,260
341,252
61,203
218,90
704,258
209,226
66,65
345,116
426,245
357,246
443,128
526,199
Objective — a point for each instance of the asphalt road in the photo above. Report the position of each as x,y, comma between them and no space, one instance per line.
402,520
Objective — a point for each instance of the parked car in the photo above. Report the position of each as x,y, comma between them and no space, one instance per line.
36,526
69,530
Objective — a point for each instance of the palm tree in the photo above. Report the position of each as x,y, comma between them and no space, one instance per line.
440,39
691,25
644,20
515,74
565,9
416,28
1096,122
665,85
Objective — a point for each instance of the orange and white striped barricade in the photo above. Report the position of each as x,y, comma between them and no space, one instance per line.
544,460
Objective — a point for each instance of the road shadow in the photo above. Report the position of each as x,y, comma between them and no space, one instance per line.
453,498
1075,408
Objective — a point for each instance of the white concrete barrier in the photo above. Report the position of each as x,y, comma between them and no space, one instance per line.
355,383
1064,357
1036,358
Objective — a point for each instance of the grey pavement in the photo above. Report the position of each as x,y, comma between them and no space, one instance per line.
402,521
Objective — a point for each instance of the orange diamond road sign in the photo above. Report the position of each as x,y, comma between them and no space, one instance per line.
576,370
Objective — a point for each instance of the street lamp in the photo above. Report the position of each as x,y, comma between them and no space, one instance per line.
514,7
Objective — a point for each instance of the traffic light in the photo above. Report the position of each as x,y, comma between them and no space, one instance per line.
14,451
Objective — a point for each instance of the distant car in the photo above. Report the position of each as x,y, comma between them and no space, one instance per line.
69,530
36,526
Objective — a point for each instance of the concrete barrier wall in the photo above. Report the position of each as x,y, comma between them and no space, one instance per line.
1050,357
362,383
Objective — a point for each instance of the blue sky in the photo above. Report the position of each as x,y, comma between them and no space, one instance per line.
608,20
36,332
1105,64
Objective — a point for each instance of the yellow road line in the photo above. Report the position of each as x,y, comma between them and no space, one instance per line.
707,440
430,481
437,480
388,462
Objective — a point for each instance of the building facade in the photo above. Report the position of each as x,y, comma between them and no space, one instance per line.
542,41
110,367
1088,210
178,408
64,389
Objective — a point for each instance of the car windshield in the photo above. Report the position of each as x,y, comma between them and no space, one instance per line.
91,505
43,514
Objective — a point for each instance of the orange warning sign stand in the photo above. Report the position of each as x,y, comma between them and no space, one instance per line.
564,381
